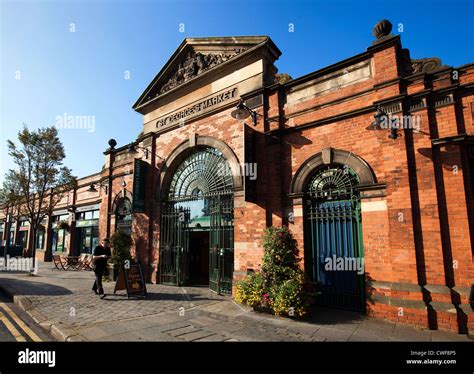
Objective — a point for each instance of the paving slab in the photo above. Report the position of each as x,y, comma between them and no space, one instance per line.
203,321
156,335
408,333
192,336
332,334
62,302
228,327
212,338
305,329
176,332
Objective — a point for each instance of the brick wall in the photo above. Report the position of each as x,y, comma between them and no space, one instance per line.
416,230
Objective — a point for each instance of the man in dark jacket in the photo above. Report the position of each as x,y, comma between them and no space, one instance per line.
99,257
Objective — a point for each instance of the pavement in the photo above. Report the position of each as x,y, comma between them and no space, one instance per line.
63,305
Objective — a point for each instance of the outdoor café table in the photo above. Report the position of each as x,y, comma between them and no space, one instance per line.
72,262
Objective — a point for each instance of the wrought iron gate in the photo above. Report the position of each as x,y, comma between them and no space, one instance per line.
174,245
203,176
221,244
334,239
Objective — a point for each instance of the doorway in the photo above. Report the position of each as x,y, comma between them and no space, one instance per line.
199,258
333,234
197,224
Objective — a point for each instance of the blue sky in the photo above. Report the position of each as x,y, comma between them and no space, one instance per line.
48,71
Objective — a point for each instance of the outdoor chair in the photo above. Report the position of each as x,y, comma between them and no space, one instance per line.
58,262
85,261
88,262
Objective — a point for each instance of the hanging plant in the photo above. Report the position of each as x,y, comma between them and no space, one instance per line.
63,225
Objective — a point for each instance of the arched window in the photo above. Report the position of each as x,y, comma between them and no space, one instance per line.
203,174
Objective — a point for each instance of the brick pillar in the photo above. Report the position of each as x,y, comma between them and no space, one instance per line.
457,241
427,214
399,208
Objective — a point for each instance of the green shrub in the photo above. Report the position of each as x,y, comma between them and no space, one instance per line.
121,243
280,287
250,290
294,296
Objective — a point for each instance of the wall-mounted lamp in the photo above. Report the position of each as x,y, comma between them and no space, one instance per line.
242,112
383,121
123,184
132,148
92,188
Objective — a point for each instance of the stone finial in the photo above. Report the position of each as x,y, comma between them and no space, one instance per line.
112,143
382,28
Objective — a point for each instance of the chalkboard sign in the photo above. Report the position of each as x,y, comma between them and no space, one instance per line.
131,279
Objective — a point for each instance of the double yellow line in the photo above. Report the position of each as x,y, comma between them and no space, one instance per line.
13,330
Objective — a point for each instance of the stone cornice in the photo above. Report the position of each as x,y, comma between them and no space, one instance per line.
265,49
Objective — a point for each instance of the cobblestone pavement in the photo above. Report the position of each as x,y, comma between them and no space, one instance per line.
63,304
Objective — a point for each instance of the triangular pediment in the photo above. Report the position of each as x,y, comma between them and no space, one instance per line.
197,57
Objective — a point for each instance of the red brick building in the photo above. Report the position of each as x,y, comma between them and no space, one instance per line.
370,158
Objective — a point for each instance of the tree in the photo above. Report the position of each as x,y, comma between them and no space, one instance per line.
9,203
41,178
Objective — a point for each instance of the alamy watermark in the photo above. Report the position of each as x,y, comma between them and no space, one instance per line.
335,263
394,121
248,169
18,264
81,122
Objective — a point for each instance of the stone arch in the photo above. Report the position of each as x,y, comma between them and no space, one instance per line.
331,156
189,146
122,194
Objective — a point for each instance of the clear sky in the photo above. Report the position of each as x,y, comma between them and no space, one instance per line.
74,57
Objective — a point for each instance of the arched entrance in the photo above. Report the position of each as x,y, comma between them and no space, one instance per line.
197,222
333,237
328,185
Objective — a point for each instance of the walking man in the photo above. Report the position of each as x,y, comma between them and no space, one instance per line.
99,257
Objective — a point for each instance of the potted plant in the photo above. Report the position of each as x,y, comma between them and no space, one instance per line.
121,243
280,287
63,225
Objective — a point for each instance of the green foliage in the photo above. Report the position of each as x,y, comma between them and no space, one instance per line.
121,243
250,290
39,179
281,287
294,296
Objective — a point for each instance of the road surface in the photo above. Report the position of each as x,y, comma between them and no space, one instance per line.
16,325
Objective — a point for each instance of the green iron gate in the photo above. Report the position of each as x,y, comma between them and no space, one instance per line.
221,244
174,245
334,238
204,175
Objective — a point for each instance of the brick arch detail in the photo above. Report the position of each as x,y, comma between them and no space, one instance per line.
331,156
124,193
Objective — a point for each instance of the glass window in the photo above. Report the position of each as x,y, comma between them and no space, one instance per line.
22,238
91,214
63,217
89,239
40,239
11,236
95,237
59,240
86,240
